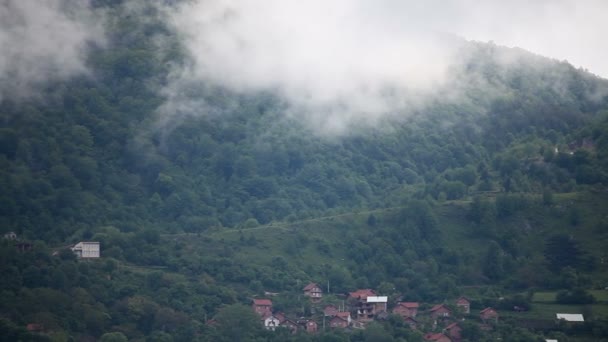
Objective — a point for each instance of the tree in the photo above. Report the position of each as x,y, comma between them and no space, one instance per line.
237,322
561,251
113,337
493,262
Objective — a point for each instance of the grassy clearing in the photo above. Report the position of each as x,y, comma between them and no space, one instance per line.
549,311
544,297
600,295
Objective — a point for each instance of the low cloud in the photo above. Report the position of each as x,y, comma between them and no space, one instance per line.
44,40
343,61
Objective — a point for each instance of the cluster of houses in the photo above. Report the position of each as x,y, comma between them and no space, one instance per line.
263,307
364,305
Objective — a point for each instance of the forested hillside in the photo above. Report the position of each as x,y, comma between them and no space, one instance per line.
478,192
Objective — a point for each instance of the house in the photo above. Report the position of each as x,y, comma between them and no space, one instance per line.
366,303
310,326
437,337
411,322
271,322
453,331
262,307
280,316
440,310
24,246
406,309
488,314
86,249
378,304
361,294
10,236
330,311
340,320
464,305
570,317
313,291
290,324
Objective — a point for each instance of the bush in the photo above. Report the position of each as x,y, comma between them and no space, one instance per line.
576,296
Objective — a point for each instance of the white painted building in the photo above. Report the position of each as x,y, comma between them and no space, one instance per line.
271,322
571,317
86,249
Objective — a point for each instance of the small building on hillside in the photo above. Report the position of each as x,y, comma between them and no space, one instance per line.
406,309
340,320
378,303
310,326
290,324
440,311
411,322
330,311
570,317
313,291
262,307
24,246
86,249
464,305
271,322
10,236
366,304
453,331
488,314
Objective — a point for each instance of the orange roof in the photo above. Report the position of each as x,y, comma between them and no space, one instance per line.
262,302
455,324
409,305
487,310
310,286
344,314
439,306
362,294
463,300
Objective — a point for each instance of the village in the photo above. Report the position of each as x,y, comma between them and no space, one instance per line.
438,322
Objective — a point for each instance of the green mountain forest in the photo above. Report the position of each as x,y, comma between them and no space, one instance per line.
499,195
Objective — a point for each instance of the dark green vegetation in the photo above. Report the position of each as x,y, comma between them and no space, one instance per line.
496,196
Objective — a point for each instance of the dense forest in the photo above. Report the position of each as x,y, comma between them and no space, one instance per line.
496,195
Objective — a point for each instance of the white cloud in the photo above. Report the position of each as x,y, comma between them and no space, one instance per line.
345,60
42,40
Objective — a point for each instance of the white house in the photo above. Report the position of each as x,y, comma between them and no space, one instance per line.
86,249
10,236
271,322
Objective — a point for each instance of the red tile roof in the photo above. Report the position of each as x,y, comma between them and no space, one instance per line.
486,310
463,300
451,326
362,294
409,305
439,306
262,302
344,314
310,287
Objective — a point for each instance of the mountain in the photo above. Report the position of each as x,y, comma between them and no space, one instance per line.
228,194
